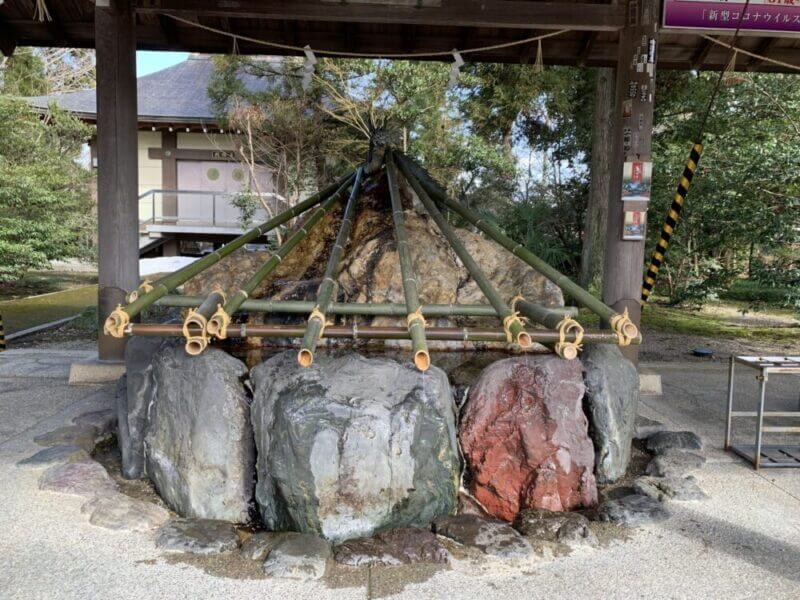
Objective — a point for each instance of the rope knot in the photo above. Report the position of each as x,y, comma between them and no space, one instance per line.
623,327
416,316
565,349
508,322
318,315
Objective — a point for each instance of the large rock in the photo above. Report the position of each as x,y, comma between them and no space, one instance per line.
351,445
524,437
633,510
488,535
612,398
134,395
369,270
668,441
122,513
304,557
81,478
199,447
197,536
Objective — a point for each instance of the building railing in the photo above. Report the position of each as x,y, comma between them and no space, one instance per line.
214,209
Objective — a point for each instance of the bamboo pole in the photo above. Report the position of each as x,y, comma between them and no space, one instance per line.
415,320
316,321
620,323
194,326
553,320
511,322
355,308
117,321
218,324
354,332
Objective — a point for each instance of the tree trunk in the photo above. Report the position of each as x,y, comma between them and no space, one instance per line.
591,271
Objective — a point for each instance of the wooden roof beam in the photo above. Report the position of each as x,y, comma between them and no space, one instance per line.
8,38
586,48
169,30
763,49
501,14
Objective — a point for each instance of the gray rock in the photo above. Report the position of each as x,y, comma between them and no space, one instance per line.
197,536
304,557
83,478
575,533
83,436
664,441
401,546
675,463
199,449
352,445
123,513
632,510
612,399
542,524
55,455
492,537
672,488
135,392
104,420
646,427
258,546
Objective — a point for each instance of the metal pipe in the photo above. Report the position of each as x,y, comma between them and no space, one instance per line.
218,323
624,327
116,322
354,332
511,323
354,308
415,320
316,321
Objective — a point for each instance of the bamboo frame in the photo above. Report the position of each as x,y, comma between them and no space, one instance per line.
121,316
317,320
355,308
354,332
511,322
194,326
218,324
626,330
415,318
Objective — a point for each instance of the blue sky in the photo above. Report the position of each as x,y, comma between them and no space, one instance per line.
148,62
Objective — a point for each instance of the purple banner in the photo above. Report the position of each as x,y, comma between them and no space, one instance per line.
762,15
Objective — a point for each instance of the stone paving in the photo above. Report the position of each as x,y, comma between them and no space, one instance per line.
743,541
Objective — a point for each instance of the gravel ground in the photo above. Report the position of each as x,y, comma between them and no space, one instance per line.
743,542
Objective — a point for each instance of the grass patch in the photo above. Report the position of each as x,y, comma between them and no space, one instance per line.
36,283
37,310
749,291
657,317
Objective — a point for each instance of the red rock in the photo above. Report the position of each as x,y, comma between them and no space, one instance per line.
525,437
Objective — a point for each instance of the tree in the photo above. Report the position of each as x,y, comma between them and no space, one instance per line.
45,204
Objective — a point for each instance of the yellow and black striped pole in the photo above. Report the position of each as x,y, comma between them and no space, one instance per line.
671,221
2,335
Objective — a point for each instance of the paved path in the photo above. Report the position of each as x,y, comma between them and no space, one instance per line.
744,542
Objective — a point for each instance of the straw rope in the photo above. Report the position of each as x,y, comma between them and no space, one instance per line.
319,316
223,319
508,322
618,323
736,49
412,55
567,325
416,316
116,322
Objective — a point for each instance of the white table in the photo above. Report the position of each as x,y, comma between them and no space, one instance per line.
759,454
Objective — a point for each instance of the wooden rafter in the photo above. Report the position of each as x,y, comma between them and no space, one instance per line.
501,14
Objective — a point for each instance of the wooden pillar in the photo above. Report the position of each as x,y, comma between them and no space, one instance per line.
633,128
117,169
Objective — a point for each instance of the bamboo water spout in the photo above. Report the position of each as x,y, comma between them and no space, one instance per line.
194,326
317,319
626,330
414,315
218,324
512,325
552,319
117,321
